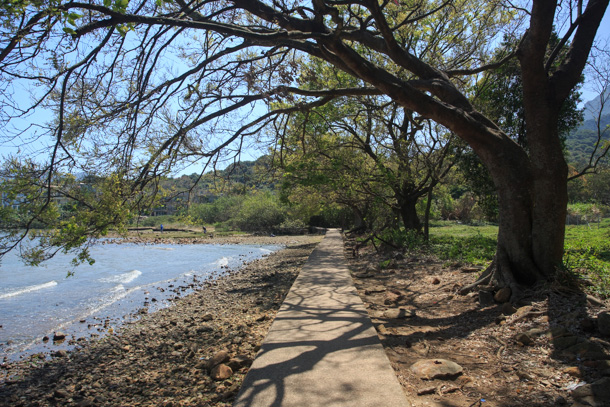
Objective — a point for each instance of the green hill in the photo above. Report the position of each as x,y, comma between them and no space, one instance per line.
581,142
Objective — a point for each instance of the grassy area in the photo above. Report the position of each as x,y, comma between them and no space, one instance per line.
458,242
587,249
587,254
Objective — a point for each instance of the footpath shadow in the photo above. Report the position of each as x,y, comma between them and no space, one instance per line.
322,348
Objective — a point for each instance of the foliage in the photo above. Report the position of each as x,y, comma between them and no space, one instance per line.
220,210
477,249
587,255
406,239
135,91
258,212
87,214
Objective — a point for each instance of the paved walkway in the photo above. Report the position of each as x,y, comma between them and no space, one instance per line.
322,349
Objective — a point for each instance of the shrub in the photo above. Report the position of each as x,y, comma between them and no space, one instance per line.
260,211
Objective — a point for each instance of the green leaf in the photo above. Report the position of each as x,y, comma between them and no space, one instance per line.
69,30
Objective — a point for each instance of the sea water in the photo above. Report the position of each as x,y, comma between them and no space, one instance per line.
125,281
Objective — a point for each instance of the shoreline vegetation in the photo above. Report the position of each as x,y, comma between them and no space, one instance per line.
194,353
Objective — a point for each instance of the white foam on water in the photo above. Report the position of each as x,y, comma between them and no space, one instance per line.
118,287
122,278
265,251
222,262
29,289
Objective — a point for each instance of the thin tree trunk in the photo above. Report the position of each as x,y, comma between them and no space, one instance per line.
427,215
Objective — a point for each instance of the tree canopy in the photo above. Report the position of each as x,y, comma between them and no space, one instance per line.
138,87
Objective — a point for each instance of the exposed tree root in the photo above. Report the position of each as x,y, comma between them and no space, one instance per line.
484,279
497,275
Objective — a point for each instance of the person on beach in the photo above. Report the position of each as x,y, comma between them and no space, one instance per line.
161,227
205,230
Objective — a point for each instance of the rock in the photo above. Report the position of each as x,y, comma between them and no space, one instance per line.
374,289
587,325
573,371
221,372
595,301
218,358
525,376
595,394
557,332
564,342
383,330
536,332
398,313
602,365
60,353
59,336
560,401
508,309
61,394
585,349
87,402
239,361
603,323
204,328
436,369
503,295
207,317
524,339
485,298
231,391
392,297
426,390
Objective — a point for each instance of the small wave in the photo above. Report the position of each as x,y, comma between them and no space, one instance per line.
118,287
265,251
122,278
222,262
162,248
29,289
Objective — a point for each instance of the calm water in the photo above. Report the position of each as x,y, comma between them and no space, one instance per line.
37,301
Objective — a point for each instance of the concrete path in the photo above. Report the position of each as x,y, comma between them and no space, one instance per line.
322,349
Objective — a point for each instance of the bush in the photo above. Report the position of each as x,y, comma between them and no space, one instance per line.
221,210
409,239
261,211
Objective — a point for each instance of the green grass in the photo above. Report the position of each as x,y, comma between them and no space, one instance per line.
587,255
463,243
587,249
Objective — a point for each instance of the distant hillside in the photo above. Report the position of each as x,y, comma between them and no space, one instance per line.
581,142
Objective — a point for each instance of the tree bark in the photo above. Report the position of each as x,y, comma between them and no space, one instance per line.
408,213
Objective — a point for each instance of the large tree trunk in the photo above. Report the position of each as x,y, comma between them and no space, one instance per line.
532,197
408,214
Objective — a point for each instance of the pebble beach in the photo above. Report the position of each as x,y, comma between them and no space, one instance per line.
194,353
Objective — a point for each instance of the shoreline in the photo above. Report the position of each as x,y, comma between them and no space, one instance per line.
163,357
156,237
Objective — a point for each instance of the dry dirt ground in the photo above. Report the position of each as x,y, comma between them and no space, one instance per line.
545,350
